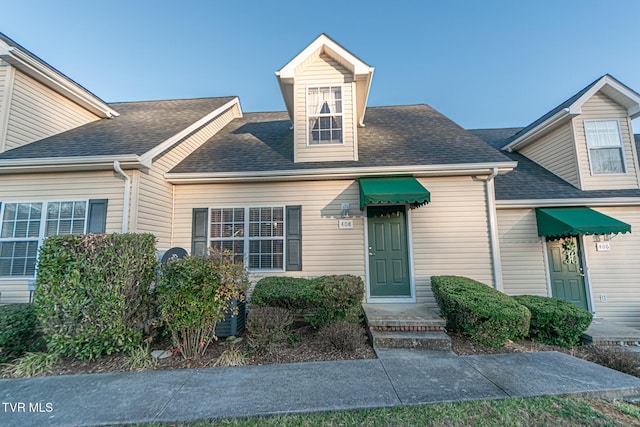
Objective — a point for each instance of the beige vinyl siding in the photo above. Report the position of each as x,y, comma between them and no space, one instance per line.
324,71
522,253
616,273
600,107
37,112
60,186
451,234
325,248
556,152
154,208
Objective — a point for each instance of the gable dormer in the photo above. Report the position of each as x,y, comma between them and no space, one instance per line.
325,89
588,139
37,101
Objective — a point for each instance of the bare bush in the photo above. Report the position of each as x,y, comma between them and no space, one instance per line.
342,335
267,328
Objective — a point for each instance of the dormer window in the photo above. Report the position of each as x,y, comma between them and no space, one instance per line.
324,115
604,140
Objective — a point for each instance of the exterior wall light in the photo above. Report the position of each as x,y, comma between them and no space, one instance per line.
345,210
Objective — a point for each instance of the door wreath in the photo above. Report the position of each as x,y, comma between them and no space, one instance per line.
569,251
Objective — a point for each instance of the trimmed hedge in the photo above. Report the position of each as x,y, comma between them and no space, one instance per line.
554,321
292,293
327,298
487,315
93,292
19,332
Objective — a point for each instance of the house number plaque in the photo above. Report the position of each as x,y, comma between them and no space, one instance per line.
603,246
345,224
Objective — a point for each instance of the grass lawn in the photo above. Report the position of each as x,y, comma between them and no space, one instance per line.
542,411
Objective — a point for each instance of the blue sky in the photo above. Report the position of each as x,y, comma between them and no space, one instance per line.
481,63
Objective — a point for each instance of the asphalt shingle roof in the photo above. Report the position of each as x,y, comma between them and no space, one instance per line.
140,127
393,136
531,181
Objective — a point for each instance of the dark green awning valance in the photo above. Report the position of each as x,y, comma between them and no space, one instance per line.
562,222
392,191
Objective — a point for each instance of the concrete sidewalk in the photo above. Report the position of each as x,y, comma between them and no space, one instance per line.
398,377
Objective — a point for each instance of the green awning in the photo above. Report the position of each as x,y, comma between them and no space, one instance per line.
392,191
562,222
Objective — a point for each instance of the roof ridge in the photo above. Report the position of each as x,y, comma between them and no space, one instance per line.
35,57
498,128
175,99
564,104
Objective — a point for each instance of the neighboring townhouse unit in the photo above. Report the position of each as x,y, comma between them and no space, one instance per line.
576,186
330,186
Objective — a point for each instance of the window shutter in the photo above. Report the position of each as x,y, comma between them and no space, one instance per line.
294,238
97,223
199,231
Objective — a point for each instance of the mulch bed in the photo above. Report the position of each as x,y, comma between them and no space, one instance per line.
462,345
310,348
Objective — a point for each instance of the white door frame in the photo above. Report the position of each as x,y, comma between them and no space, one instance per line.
584,261
412,282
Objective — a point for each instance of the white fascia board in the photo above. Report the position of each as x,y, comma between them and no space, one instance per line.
158,149
608,83
542,203
333,48
466,169
68,164
548,124
55,80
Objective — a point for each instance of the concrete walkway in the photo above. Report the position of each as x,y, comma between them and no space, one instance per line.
398,377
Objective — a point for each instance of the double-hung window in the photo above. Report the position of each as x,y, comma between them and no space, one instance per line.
255,235
24,226
324,115
606,151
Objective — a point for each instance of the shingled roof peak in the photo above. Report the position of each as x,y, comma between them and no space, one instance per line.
608,84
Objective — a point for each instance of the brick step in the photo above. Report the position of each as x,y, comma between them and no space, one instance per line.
425,340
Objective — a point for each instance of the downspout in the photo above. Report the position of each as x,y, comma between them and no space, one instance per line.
126,196
493,230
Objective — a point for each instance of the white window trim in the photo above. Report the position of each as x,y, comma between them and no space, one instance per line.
621,146
307,115
246,239
43,221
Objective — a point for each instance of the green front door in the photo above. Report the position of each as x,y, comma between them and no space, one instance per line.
567,278
388,252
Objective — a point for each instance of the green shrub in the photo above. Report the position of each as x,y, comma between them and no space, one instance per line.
267,328
554,321
339,297
194,293
93,292
488,316
323,299
19,331
291,293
